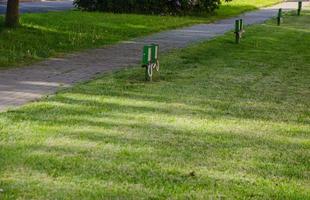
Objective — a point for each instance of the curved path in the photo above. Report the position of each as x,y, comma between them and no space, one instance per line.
21,85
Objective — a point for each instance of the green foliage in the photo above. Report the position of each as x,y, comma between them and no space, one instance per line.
149,6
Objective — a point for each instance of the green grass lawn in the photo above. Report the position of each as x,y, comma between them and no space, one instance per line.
53,34
223,120
238,6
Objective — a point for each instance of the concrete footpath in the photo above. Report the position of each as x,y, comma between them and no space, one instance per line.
22,85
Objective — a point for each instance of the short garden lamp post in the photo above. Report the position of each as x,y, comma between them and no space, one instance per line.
239,30
299,8
150,60
279,18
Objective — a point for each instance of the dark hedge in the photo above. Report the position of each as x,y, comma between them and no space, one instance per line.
149,6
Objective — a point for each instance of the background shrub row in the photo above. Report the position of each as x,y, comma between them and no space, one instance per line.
149,6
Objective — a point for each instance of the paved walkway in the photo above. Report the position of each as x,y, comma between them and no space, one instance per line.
44,6
21,85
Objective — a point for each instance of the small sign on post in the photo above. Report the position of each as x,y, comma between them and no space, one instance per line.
150,60
279,17
299,8
239,30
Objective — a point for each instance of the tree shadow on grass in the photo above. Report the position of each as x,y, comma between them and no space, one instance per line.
121,125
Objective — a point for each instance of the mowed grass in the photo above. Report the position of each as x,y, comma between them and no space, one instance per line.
56,33
224,121
239,6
